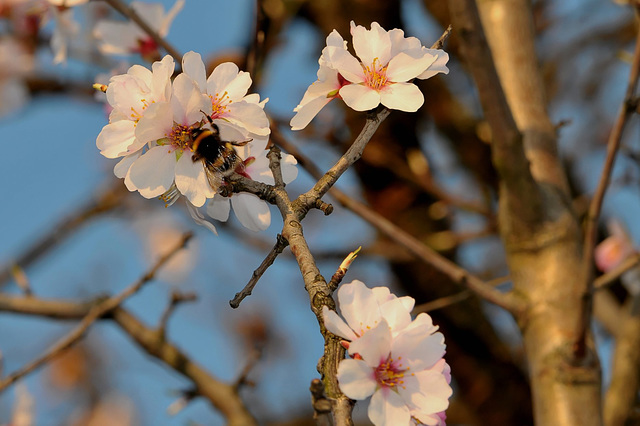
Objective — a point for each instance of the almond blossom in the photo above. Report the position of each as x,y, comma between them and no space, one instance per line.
124,38
130,95
387,62
227,88
395,361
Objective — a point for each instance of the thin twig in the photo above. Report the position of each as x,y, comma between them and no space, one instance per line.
281,243
626,110
176,299
96,312
221,395
416,247
128,12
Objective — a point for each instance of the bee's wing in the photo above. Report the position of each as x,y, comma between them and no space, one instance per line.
214,177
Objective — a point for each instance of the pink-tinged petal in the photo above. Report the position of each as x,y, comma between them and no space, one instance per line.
427,391
219,207
126,93
289,169
200,219
152,174
252,212
259,170
387,408
382,294
336,325
305,113
163,28
238,87
161,80
403,67
418,350
396,314
156,123
439,66
138,71
373,346
188,101
256,148
249,116
370,45
356,379
191,180
193,66
343,62
358,306
401,43
335,39
423,323
359,97
226,77
115,138
402,96
122,168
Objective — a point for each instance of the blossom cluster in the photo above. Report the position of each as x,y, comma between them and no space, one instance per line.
396,361
387,62
152,126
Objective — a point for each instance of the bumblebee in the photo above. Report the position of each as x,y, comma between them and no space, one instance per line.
219,157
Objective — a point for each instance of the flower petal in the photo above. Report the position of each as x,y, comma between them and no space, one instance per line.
374,346
156,123
219,207
305,113
387,408
199,218
252,212
373,44
356,379
193,66
191,180
401,96
249,116
403,67
336,325
115,138
427,391
187,101
439,66
122,168
358,306
359,97
152,174
418,349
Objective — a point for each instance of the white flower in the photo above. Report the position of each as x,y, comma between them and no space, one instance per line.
363,308
227,88
130,95
395,361
387,62
252,212
403,375
169,160
123,38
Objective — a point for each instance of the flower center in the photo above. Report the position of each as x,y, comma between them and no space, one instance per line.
181,137
219,105
376,75
390,373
